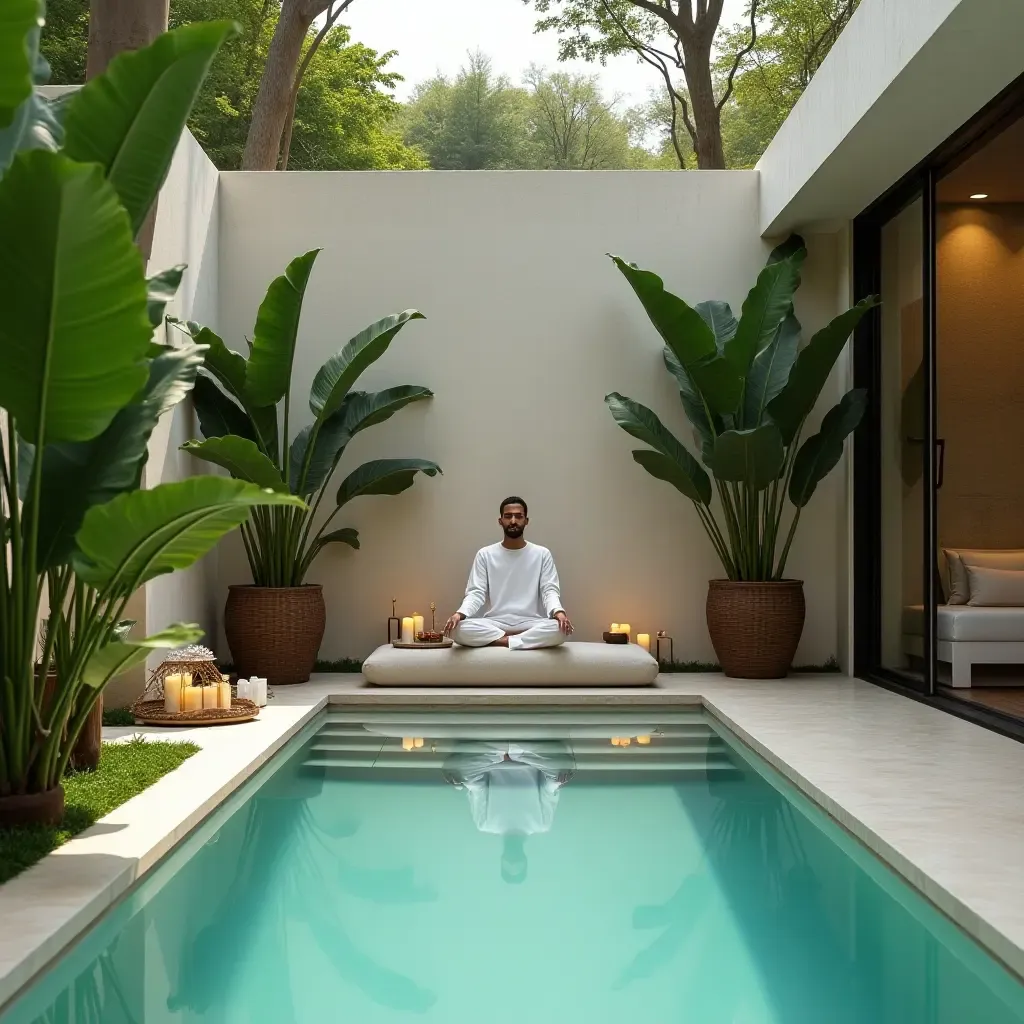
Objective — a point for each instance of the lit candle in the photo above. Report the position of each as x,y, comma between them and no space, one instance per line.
408,630
191,698
224,694
643,740
419,742
615,741
625,627
615,628
211,695
644,640
625,741
408,743
172,694
417,624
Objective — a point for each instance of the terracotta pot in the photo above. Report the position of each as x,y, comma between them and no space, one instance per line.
275,632
755,627
32,809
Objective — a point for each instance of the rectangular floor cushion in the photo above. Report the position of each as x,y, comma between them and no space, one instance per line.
571,664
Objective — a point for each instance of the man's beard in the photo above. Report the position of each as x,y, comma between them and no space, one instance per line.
513,532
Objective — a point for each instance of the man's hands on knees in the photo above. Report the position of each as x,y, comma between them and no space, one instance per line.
563,623
449,626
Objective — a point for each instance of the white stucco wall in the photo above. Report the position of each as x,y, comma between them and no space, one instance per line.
903,76
529,327
185,232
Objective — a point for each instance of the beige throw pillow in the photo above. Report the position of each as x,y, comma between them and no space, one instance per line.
957,561
995,588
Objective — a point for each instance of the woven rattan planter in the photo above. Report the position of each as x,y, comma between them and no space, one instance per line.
755,627
275,632
32,809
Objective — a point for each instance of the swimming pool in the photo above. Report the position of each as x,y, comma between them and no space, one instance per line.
501,866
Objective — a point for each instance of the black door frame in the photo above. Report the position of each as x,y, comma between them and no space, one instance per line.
920,183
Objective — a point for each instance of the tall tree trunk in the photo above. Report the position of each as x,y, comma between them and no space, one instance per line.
263,143
115,26
707,118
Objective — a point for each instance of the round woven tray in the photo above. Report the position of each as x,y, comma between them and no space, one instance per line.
151,712
423,645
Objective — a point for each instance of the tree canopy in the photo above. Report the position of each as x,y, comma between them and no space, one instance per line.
346,112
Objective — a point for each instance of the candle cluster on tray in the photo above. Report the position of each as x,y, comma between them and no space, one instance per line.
183,693
411,629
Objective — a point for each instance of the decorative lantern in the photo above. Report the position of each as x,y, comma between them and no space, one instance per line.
664,638
397,621
188,689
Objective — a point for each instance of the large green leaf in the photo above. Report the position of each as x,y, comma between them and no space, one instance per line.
719,317
78,475
810,371
689,336
160,289
820,454
384,476
784,250
768,303
74,331
705,426
20,21
36,122
359,410
218,414
664,468
269,374
336,377
130,119
640,422
223,363
142,534
344,536
117,657
240,457
769,371
752,457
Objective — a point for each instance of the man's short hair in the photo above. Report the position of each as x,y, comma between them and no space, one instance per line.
514,500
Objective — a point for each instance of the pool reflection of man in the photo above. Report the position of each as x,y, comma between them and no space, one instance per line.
513,791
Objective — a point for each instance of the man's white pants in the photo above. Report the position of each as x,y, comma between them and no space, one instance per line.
481,632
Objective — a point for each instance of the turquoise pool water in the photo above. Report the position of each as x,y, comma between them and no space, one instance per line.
519,868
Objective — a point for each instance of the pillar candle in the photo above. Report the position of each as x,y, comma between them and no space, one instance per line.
417,624
172,694
625,627
644,640
211,695
224,694
643,740
615,628
408,743
261,692
418,742
408,632
191,698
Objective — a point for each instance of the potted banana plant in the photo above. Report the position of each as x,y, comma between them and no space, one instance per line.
82,386
747,386
274,626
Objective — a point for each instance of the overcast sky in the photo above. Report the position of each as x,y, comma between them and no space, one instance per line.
435,35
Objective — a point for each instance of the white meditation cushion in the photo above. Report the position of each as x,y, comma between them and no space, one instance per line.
571,664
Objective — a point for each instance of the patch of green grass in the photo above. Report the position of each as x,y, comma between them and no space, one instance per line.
125,770
341,665
832,665
118,716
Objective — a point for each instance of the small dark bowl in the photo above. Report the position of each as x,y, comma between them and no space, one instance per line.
616,638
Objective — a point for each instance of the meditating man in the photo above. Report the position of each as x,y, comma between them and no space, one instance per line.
512,597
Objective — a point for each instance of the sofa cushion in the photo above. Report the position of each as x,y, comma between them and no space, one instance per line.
571,664
957,560
969,624
995,588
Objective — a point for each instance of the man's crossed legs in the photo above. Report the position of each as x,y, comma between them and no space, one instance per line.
527,636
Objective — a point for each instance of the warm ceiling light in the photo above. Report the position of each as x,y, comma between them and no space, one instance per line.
980,195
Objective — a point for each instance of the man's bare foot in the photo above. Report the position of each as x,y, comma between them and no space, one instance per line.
503,642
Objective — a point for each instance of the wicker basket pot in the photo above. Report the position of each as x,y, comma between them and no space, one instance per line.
275,632
755,627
